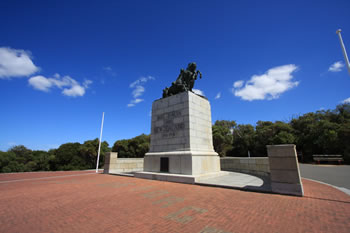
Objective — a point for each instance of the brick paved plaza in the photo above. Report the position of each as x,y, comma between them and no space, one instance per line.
88,202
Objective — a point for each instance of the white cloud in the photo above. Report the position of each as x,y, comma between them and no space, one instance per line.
134,102
70,86
267,86
218,96
336,66
238,84
346,101
138,90
15,63
40,83
198,92
141,81
74,91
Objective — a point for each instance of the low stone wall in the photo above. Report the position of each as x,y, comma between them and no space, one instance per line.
253,165
113,164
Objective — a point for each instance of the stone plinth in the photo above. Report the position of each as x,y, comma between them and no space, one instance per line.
110,162
182,132
284,170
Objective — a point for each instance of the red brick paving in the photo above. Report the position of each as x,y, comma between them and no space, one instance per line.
106,203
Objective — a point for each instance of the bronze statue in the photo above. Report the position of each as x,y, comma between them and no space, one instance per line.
184,82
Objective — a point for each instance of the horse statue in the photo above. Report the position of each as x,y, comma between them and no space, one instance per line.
184,82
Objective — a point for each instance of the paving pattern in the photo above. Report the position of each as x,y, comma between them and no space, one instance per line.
88,202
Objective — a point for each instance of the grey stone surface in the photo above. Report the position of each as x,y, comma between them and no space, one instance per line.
181,130
181,123
284,170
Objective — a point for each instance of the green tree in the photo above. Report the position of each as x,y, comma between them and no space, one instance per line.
243,141
42,160
67,157
5,159
222,136
89,152
323,132
269,133
122,147
23,155
135,147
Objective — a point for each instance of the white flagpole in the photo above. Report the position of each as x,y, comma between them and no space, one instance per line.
344,50
99,145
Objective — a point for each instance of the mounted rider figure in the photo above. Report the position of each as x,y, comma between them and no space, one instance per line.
184,82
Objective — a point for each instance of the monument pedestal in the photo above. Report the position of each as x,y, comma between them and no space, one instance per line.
181,140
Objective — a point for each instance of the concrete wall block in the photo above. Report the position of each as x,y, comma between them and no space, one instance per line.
287,150
186,165
244,166
174,164
106,168
235,161
285,176
284,169
226,166
262,160
283,163
237,165
252,167
112,160
290,189
262,167
252,161
243,161
131,165
112,166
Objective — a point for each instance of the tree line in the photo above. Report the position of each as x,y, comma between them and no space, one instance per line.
320,132
69,156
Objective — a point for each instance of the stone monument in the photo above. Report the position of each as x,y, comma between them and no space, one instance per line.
181,147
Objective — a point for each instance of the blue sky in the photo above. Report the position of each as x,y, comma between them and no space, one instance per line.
62,63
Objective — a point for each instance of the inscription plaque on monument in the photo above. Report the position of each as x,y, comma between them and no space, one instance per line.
169,127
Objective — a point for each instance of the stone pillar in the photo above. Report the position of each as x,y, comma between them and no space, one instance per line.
284,170
182,135
110,162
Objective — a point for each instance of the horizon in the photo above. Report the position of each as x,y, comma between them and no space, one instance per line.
62,65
